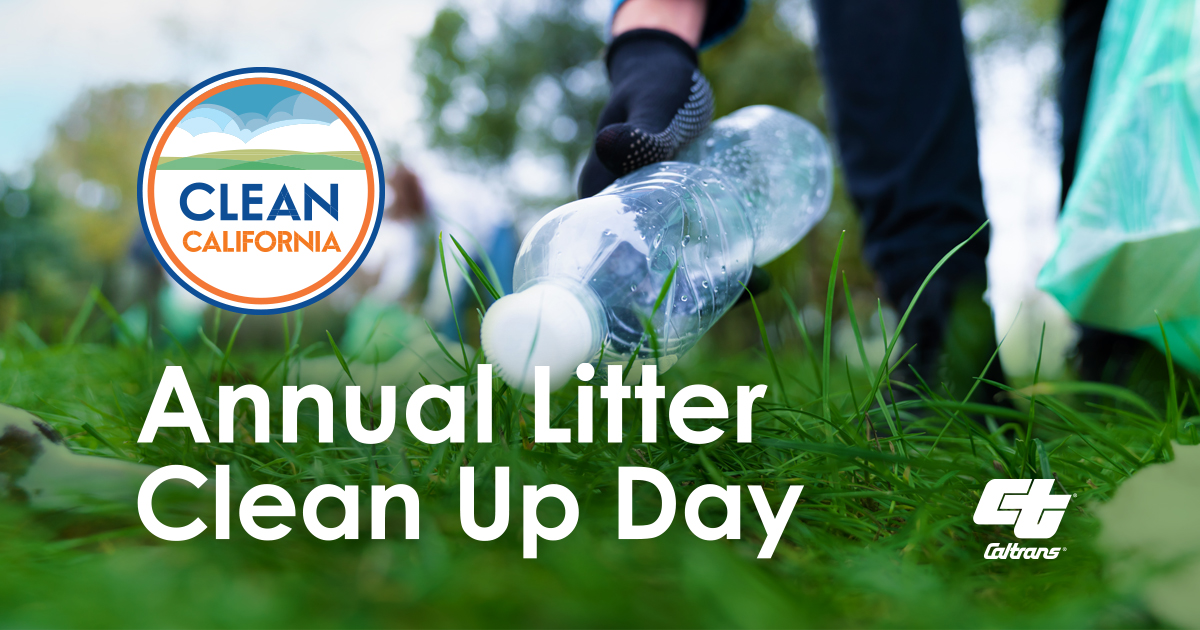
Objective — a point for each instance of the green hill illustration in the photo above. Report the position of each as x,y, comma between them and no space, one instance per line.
265,160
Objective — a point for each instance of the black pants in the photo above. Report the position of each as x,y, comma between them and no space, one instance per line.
899,96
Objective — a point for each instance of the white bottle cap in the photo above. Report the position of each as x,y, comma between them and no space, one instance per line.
544,325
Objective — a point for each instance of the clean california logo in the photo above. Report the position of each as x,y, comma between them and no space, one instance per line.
261,190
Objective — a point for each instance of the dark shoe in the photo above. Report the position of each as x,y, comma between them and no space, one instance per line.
1130,363
757,284
953,338
1103,356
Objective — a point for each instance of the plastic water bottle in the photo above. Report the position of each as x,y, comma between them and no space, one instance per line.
591,277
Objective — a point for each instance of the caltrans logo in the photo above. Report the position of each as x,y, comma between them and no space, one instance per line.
1028,505
261,190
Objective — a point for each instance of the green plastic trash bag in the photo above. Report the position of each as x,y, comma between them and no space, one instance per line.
384,345
376,331
1130,229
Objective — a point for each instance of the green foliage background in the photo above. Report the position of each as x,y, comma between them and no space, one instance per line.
882,537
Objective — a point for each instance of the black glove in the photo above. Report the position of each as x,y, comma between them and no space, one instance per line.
660,101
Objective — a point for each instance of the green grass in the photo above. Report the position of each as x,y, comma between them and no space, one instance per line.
882,536
253,159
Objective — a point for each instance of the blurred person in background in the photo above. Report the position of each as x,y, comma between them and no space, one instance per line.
900,102
403,274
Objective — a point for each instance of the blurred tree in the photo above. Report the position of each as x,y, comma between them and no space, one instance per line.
26,241
537,83
1020,23
767,62
75,224
93,161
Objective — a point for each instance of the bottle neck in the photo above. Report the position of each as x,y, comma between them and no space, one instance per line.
587,298
591,303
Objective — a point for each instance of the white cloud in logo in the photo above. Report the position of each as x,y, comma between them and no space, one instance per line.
210,116
310,138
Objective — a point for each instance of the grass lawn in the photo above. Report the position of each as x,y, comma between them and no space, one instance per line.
882,536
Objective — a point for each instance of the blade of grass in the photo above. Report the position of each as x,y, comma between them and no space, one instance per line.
828,334
1037,372
30,336
107,308
487,284
812,354
1172,395
666,288
467,278
862,353
341,359
921,289
649,323
81,318
91,430
1043,459
762,331
438,340
450,294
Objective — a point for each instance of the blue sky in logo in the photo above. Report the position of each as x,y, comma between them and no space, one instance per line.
249,110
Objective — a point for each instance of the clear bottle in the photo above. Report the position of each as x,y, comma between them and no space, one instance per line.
589,275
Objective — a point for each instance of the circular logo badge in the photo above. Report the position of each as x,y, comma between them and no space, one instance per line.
261,190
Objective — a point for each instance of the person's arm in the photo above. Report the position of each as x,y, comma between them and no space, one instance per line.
682,18
701,24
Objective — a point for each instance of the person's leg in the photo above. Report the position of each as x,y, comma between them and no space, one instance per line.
899,97
1103,355
1079,28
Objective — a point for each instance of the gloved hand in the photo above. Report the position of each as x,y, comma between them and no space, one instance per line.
659,102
